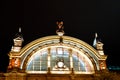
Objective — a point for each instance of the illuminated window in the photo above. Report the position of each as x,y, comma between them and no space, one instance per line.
39,60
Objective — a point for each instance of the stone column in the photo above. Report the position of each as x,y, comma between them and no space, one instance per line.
49,49
71,61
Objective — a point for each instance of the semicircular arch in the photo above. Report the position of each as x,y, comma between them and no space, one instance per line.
68,41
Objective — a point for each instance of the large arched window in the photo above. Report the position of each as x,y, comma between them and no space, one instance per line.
59,59
38,62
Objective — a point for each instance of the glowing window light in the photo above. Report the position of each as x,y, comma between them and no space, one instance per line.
79,57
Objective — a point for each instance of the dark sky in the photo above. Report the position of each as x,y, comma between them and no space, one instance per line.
82,18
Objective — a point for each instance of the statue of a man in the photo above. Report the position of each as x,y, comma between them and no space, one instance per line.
60,27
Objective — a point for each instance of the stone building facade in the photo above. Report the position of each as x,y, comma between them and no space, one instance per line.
56,57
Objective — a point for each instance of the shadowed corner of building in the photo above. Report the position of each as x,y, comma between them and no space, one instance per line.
4,62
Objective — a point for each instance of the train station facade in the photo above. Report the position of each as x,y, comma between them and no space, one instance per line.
56,57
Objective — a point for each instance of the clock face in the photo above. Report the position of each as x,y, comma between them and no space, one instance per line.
60,64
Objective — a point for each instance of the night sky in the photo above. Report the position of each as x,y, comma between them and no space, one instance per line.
82,19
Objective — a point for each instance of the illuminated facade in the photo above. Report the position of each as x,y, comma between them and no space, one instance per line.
57,57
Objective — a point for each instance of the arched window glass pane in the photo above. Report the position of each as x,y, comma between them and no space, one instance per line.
60,54
78,63
38,61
